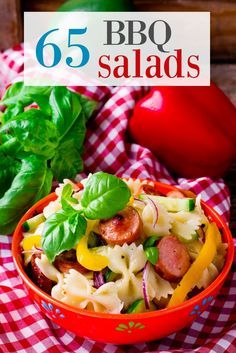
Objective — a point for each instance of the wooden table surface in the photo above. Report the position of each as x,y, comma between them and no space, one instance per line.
223,43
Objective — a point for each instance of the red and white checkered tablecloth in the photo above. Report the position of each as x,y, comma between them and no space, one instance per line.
25,330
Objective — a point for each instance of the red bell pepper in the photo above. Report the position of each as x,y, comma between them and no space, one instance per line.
192,130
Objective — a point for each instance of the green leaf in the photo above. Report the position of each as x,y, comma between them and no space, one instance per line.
67,162
26,188
9,168
66,207
152,254
11,147
43,103
67,191
34,132
12,111
104,195
66,197
62,232
66,107
46,185
18,93
150,241
88,106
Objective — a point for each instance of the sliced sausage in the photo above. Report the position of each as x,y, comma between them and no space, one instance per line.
174,259
175,194
181,194
67,260
38,277
124,227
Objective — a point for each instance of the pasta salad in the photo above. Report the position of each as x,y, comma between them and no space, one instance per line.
115,245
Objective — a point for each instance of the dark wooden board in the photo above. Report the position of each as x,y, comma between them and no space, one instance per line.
223,19
10,23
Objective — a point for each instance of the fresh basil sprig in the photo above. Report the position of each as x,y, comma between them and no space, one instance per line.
53,134
61,232
104,195
151,251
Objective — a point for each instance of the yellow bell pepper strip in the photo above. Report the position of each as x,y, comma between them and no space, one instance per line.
29,242
204,259
88,257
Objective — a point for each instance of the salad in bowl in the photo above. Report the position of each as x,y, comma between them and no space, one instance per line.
121,246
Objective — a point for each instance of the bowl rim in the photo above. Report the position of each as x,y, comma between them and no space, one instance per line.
160,312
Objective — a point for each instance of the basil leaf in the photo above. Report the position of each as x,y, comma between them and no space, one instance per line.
18,93
73,200
11,147
12,111
43,103
88,106
15,94
46,185
61,232
66,196
66,207
104,195
152,254
66,107
26,188
35,133
67,191
150,241
67,161
9,168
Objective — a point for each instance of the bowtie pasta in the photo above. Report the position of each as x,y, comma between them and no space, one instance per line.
120,246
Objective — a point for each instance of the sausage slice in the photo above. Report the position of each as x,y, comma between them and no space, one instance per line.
124,227
174,259
175,194
38,277
67,260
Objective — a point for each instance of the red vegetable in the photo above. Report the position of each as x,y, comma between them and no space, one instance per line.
38,277
191,129
98,279
145,291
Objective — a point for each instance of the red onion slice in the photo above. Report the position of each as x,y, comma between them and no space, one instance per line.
155,209
98,279
145,283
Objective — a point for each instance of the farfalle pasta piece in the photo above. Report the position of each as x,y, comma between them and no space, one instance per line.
78,291
198,210
185,223
164,221
135,185
208,276
51,208
219,259
127,261
194,248
52,273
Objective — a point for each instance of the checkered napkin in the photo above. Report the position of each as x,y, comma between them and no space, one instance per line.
23,328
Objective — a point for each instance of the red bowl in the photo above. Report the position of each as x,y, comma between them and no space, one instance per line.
123,328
